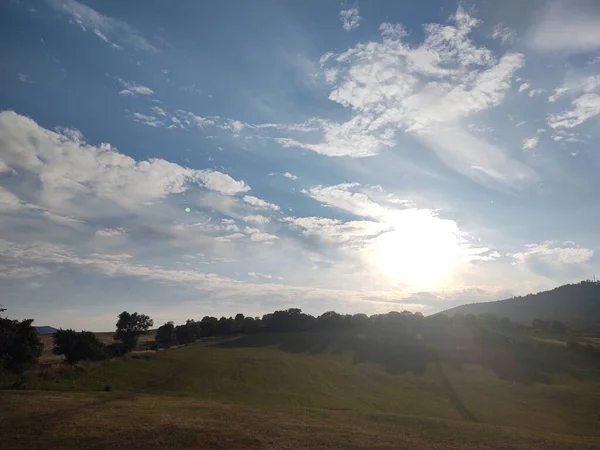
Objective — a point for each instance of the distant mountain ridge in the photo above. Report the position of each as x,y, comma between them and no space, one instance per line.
577,305
45,329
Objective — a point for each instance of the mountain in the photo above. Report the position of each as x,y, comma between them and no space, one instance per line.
577,305
45,329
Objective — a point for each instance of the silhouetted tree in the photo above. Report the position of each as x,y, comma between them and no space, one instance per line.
78,346
208,326
225,326
130,327
20,345
185,333
165,335
251,325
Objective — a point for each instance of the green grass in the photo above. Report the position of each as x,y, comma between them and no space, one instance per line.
267,392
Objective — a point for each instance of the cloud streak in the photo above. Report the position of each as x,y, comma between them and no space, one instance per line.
105,27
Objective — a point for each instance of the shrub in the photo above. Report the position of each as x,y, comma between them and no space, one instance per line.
117,349
185,334
20,345
165,335
78,346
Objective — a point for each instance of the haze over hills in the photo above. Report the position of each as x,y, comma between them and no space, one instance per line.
578,305
45,329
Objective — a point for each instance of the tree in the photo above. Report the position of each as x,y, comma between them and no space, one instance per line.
130,327
185,333
20,345
165,335
225,326
78,346
208,326
195,327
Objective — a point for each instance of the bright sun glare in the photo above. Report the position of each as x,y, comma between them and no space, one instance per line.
421,251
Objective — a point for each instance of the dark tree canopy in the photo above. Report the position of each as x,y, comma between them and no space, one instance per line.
165,335
20,345
130,327
78,346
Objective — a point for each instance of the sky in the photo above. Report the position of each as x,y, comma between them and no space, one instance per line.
183,159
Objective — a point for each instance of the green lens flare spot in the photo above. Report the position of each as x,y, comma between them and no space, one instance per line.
188,209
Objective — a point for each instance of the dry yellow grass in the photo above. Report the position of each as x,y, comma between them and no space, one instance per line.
256,394
67,420
104,337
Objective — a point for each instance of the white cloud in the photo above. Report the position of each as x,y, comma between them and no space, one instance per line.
505,34
65,220
8,201
558,92
350,18
132,88
584,107
340,196
263,275
258,236
534,92
110,232
4,168
161,112
399,243
334,231
101,25
476,158
290,176
256,219
221,182
145,119
530,143
554,253
263,237
424,91
566,26
29,257
230,237
524,87
67,168
260,203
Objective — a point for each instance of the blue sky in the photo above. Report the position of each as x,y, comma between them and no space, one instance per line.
191,158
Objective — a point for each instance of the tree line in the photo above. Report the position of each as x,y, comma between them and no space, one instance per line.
20,346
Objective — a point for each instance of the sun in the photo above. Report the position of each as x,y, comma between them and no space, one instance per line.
421,251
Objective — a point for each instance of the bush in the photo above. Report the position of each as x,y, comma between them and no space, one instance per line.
78,346
20,345
185,334
165,335
117,349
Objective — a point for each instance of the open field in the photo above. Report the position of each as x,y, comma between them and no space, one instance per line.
104,337
266,392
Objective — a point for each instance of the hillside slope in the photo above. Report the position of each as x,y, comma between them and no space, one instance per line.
578,305
289,391
45,329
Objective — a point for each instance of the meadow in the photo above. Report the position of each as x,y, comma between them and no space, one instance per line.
293,390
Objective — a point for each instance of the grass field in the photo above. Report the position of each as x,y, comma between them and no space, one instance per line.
104,337
264,392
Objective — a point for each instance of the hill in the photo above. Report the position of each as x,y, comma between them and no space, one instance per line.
297,390
577,305
45,329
